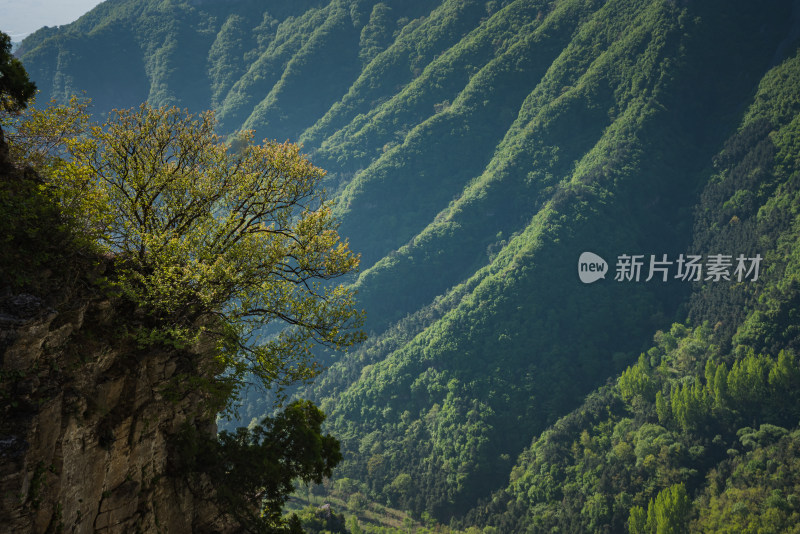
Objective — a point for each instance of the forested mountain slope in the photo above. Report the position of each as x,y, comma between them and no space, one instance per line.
476,149
710,411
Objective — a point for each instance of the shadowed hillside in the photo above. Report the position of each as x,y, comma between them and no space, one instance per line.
475,150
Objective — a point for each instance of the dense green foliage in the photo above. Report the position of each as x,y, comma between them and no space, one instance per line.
213,243
322,521
475,149
253,470
666,514
202,245
34,236
15,86
713,411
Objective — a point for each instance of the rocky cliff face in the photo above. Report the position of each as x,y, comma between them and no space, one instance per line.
87,415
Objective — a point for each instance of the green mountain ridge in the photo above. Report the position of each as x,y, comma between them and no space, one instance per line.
710,408
475,150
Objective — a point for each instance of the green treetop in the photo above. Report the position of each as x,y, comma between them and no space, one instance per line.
209,240
15,87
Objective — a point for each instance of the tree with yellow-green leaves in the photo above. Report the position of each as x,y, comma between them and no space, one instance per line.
232,244
211,241
668,513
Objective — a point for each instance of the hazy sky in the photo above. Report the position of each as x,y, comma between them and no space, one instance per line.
18,18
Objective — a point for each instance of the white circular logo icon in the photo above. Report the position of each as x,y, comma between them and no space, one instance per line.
591,267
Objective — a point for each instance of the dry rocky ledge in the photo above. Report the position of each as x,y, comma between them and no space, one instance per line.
86,425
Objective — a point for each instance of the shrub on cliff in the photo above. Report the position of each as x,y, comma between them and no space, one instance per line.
15,86
253,470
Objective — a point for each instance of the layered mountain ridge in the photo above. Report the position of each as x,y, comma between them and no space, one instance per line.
475,150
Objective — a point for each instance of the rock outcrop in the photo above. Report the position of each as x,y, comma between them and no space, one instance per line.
87,416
